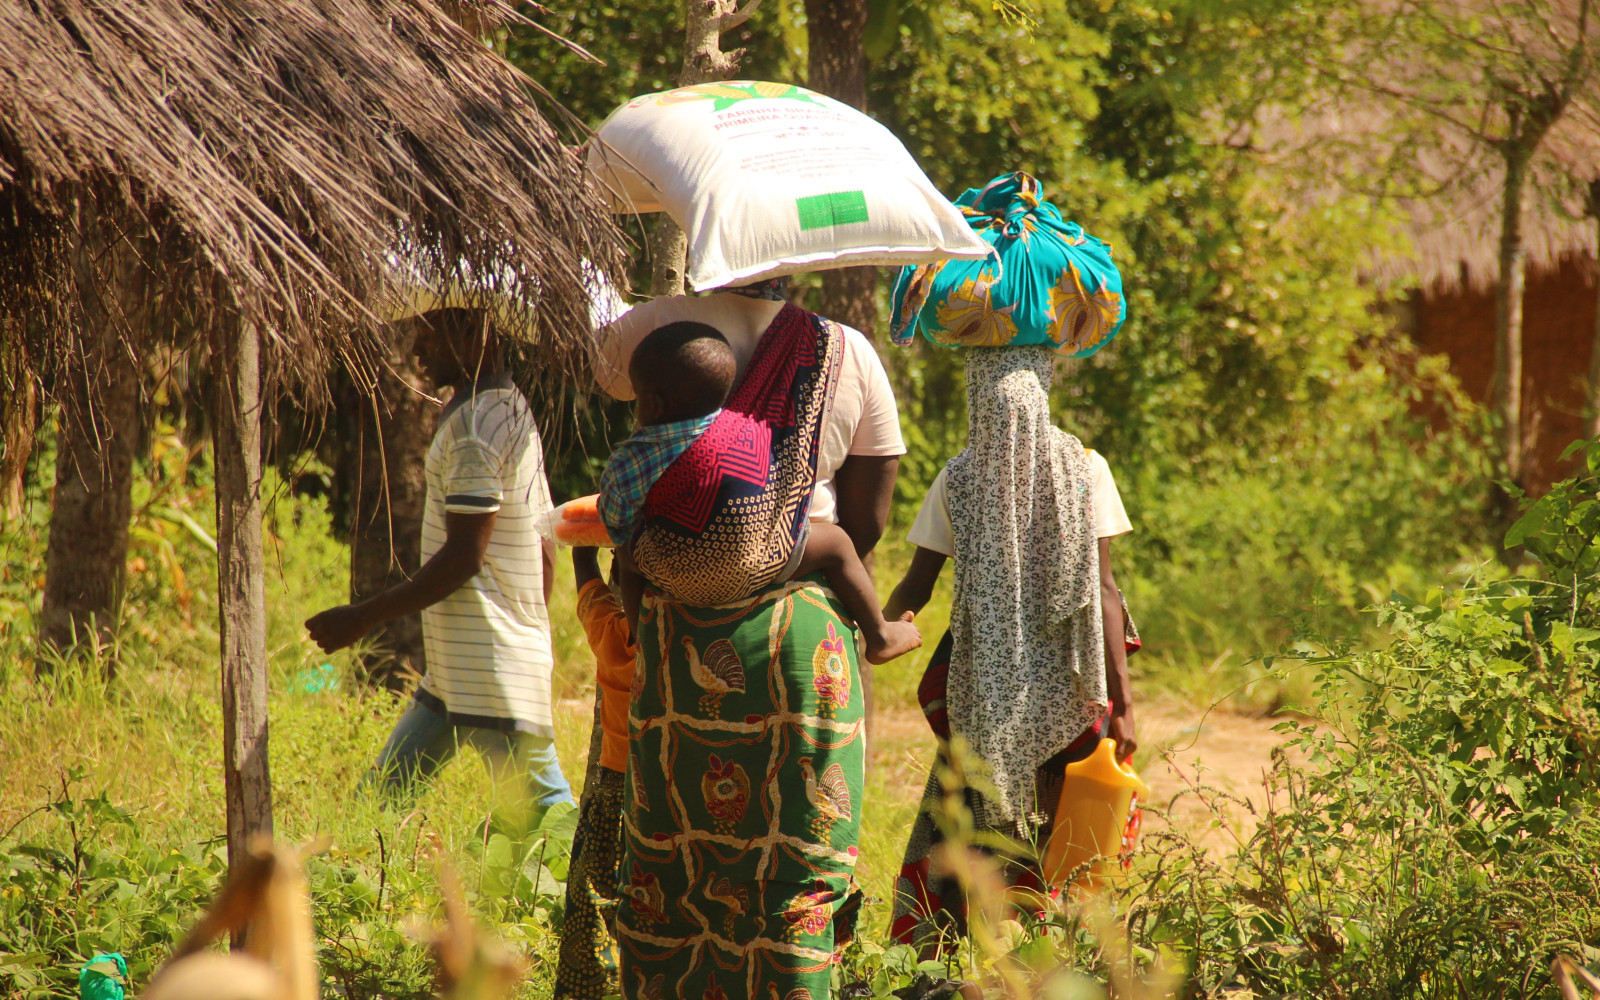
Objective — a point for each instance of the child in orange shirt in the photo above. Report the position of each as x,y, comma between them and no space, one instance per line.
588,955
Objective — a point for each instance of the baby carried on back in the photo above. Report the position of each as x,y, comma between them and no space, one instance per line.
710,499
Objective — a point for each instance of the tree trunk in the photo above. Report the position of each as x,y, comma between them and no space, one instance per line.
1592,425
389,429
668,248
837,66
87,553
704,21
241,593
1506,394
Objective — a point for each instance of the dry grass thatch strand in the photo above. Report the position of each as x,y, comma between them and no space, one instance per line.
271,153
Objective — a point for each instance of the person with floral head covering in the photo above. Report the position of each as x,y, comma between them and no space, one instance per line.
1035,663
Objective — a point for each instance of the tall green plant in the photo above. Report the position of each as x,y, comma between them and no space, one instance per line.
1432,836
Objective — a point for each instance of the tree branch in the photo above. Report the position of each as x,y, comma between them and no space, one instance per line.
730,21
1420,103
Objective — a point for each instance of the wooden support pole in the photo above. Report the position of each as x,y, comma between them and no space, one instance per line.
241,592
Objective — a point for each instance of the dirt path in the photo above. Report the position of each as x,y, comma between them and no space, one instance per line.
1225,753
1185,748
1222,752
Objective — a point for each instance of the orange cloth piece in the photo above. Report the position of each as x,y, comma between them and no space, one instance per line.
606,627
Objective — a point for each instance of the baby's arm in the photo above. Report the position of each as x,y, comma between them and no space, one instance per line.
831,552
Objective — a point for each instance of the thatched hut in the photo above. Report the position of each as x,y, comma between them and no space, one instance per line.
1451,312
1452,261
1444,266
230,174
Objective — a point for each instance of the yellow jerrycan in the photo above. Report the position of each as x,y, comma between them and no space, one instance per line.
1090,817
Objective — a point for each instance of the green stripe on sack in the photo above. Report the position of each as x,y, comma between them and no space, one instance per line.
840,208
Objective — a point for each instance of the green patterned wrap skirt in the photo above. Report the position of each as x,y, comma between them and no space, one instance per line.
742,806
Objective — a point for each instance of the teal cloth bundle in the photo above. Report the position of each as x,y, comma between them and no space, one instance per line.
1047,284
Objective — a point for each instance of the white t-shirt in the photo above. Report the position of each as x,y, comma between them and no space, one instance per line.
488,644
864,419
932,529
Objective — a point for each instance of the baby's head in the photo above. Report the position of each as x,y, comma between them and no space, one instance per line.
680,371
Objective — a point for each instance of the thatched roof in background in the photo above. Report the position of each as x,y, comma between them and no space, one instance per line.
1383,123
264,155
1455,232
1447,195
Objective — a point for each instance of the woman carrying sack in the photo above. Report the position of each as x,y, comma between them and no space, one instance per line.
742,806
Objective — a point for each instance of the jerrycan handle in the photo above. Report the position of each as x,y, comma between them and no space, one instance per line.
1101,765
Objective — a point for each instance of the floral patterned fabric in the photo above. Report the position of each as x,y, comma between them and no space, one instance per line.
587,964
743,798
1048,284
930,907
1027,667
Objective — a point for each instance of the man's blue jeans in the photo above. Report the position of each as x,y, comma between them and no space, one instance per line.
423,741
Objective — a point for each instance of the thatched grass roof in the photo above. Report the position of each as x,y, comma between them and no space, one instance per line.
1382,123
263,155
1447,196
1454,229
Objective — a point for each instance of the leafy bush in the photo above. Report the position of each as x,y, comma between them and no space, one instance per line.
1430,832
1435,840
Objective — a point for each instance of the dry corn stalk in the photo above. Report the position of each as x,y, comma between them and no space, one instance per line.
471,967
266,905
1564,969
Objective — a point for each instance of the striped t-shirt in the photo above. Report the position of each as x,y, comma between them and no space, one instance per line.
488,644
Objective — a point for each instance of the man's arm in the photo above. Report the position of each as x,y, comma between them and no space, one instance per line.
863,488
1118,688
458,560
547,552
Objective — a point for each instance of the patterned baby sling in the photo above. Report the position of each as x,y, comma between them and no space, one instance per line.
729,516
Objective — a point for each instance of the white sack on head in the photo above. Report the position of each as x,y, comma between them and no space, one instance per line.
769,179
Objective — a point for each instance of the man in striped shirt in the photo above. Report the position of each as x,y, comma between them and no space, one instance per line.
483,586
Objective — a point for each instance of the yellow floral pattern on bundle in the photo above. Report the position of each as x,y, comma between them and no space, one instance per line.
1047,283
969,318
1081,317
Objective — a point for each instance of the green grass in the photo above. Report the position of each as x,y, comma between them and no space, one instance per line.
111,799
150,742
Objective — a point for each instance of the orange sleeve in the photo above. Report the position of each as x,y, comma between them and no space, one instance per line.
606,628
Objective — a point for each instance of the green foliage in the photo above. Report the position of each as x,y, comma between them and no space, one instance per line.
1432,839
1429,831
1266,432
111,806
90,894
